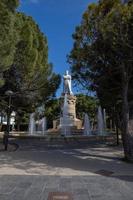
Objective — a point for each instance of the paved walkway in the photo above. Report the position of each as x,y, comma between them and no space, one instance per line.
93,172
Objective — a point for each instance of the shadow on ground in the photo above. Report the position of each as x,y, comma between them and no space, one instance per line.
39,160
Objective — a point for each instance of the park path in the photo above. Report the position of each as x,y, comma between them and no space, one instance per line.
88,173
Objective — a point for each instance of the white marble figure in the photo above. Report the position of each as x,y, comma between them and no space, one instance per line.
67,86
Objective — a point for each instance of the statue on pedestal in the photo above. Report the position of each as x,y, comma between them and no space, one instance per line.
67,86
68,120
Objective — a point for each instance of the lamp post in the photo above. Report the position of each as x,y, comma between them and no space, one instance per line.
8,93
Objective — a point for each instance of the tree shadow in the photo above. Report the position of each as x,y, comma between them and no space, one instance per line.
83,160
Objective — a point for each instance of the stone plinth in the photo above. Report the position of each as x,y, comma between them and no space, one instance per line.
67,121
71,100
70,116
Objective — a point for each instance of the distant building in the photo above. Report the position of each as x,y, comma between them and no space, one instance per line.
3,119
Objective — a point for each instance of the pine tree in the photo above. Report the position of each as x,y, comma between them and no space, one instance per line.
7,35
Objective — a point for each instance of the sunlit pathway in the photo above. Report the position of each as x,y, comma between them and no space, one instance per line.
89,173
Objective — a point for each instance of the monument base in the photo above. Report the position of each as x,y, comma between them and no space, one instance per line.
75,124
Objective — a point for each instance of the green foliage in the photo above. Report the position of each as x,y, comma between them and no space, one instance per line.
101,59
102,43
31,53
7,35
52,111
30,76
34,76
86,104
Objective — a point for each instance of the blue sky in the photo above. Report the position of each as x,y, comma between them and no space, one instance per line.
57,19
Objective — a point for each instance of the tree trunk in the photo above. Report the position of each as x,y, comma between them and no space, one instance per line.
126,136
117,124
111,124
1,121
18,126
8,122
117,129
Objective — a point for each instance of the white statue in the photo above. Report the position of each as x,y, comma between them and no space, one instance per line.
67,87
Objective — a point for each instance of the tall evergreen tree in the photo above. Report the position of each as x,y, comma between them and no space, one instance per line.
30,76
102,56
7,35
33,74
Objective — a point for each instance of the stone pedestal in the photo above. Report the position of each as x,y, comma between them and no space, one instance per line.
70,115
71,120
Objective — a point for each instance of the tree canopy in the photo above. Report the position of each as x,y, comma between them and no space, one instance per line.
28,73
86,104
7,35
101,59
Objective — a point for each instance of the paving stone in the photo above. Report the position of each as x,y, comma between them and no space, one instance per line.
24,184
34,193
31,174
4,197
18,194
65,184
6,188
82,197
80,191
53,182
